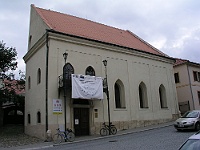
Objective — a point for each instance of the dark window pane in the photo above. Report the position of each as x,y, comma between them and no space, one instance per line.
117,96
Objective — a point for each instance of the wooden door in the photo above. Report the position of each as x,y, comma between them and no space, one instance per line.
81,121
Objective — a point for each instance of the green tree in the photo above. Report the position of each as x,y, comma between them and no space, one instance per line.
7,59
7,63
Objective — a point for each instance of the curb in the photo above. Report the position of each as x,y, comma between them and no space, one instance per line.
101,137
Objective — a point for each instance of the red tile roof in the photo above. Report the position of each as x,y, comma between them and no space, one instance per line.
185,61
180,61
84,28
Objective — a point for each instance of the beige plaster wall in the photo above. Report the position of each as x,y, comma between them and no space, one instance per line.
129,66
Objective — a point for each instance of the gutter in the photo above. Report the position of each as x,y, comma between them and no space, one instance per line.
190,87
47,69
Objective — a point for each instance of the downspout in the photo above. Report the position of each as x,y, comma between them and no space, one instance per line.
47,62
190,87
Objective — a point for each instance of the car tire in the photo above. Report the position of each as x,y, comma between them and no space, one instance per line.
197,126
179,130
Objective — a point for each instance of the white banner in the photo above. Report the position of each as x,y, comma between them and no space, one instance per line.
87,87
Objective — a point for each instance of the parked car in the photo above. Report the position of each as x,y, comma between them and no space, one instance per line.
192,143
190,120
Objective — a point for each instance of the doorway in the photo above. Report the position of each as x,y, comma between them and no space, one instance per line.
81,121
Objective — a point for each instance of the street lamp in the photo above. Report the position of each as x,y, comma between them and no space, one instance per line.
64,87
107,92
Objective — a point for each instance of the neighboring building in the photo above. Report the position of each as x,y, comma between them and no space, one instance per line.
13,113
187,79
140,78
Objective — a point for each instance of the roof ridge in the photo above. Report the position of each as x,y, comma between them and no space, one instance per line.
84,19
136,36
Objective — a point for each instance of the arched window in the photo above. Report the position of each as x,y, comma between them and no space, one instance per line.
29,82
38,117
162,96
39,76
90,71
119,95
143,95
68,70
29,118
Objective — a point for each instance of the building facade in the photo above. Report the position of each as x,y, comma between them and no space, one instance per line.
140,78
187,78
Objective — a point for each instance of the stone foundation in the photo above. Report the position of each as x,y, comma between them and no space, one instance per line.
124,125
39,130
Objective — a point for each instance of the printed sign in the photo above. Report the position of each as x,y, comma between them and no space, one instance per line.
57,106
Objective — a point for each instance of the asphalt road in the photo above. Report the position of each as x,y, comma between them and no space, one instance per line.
166,138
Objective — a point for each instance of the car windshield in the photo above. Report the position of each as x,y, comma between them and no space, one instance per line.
191,144
191,114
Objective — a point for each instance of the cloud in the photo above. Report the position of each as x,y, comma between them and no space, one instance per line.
171,26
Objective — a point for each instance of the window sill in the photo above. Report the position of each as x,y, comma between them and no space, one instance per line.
144,108
120,109
164,107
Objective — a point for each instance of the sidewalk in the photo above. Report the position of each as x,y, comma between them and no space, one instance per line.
87,138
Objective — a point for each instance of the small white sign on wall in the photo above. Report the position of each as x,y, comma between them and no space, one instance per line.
76,121
57,106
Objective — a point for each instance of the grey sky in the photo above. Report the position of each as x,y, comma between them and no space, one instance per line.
172,26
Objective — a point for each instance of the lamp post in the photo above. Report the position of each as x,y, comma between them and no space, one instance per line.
64,87
107,92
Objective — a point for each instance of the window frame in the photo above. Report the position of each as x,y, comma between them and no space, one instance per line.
39,76
119,95
162,96
176,77
195,77
29,83
198,94
29,119
90,71
143,99
38,117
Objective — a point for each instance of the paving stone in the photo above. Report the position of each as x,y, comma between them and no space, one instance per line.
13,135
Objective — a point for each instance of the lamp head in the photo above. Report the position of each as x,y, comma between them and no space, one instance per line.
105,62
65,56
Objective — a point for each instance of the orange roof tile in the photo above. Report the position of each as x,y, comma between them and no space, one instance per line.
84,28
180,61
184,61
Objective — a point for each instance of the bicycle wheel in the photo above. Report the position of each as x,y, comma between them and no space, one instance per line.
103,132
70,136
57,138
113,130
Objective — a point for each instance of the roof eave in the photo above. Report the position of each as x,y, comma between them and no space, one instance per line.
94,40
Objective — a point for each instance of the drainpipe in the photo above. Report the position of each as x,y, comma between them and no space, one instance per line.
47,62
190,87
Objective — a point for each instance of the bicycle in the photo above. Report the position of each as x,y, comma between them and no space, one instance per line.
105,130
61,136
